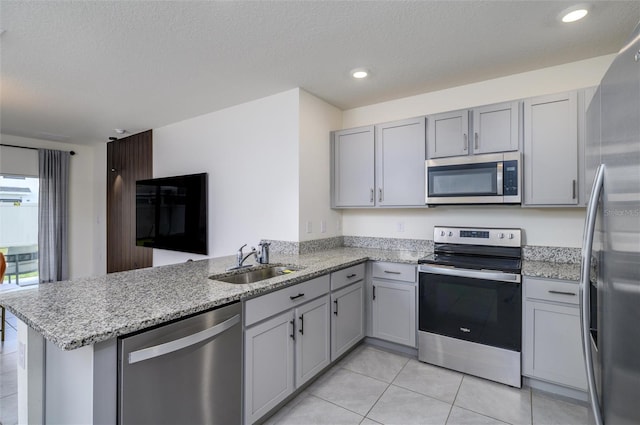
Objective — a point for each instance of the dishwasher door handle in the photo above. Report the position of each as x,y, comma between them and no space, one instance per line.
184,342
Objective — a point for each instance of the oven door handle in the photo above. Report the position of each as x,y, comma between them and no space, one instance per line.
475,274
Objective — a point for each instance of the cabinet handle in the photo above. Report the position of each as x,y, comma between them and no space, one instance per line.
371,198
466,142
391,272
301,325
380,194
295,297
562,293
374,292
351,276
336,310
573,185
475,145
293,330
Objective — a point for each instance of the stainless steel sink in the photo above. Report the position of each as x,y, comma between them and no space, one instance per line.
254,275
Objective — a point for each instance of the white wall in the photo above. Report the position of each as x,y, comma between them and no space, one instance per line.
85,186
317,119
251,154
553,227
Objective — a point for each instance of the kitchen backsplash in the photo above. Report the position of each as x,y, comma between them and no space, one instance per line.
554,254
531,253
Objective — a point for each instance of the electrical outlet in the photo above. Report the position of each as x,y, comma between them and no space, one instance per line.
309,227
323,226
400,226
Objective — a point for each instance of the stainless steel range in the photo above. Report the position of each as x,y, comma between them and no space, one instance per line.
470,303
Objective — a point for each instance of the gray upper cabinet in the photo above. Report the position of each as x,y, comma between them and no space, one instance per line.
551,150
379,166
400,156
448,134
352,174
495,128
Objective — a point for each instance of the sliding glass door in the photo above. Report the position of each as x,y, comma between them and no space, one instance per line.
19,228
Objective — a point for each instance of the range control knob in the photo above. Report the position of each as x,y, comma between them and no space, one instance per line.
450,234
442,233
510,235
500,235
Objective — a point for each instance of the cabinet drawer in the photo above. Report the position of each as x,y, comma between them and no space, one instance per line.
395,271
551,290
347,276
260,308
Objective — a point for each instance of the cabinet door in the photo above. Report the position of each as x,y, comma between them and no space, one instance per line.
353,167
551,150
400,156
447,134
394,312
312,339
268,365
495,128
552,344
347,318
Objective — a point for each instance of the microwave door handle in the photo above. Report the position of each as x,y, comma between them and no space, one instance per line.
499,178
585,309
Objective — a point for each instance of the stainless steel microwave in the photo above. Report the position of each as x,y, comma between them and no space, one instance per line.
475,179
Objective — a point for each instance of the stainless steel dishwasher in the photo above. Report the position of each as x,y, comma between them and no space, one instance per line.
186,372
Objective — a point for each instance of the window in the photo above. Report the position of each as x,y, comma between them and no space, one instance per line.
19,228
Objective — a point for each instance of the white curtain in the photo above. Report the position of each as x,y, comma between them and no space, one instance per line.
53,215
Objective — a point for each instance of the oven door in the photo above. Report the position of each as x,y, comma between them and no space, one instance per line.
471,305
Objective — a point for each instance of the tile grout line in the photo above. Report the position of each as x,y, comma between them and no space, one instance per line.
453,403
386,389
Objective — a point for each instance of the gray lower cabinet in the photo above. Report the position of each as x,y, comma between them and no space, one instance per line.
347,318
552,348
312,339
286,343
393,303
269,365
551,150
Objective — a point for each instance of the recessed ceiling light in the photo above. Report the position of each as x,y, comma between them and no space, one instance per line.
360,73
574,13
120,130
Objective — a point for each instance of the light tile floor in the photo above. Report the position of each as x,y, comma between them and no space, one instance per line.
9,374
371,386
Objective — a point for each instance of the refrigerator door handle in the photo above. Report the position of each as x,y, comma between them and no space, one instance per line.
585,311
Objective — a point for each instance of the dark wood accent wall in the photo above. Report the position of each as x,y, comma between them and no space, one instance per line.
128,159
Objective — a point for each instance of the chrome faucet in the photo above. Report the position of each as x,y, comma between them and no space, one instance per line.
240,257
263,258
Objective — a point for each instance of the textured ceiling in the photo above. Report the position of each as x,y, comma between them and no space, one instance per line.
75,70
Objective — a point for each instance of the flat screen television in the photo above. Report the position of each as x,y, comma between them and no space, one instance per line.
171,213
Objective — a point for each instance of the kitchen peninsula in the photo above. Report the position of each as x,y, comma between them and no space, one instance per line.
74,325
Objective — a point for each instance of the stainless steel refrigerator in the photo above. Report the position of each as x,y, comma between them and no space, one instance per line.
610,286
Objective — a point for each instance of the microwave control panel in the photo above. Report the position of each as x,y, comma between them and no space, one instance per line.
510,179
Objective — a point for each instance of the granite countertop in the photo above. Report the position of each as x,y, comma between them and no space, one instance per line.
85,311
